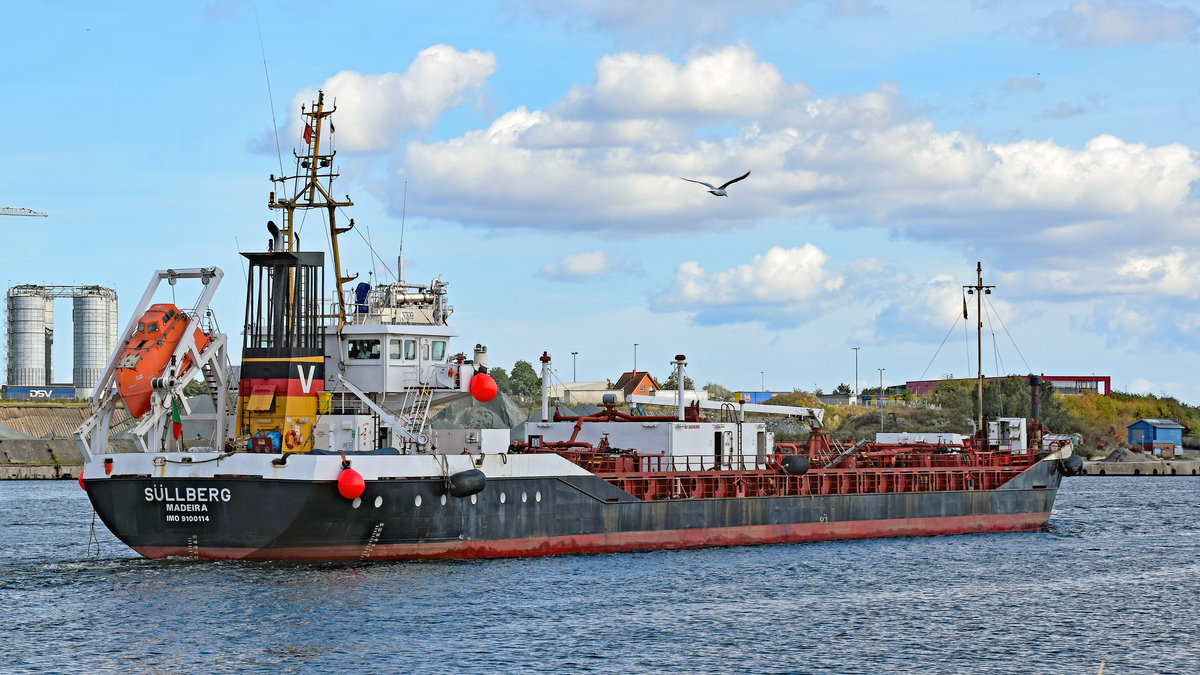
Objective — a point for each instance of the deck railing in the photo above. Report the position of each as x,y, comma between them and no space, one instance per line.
772,483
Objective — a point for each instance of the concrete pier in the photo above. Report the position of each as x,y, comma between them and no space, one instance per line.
1156,468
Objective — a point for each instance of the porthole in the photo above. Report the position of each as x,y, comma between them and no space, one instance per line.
474,498
379,501
537,496
357,502
417,500
524,497
503,498
443,500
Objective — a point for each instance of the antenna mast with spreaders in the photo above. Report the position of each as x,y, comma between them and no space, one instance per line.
316,171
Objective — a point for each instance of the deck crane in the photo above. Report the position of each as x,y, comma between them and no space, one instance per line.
9,211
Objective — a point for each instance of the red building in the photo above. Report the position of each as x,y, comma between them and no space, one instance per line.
637,382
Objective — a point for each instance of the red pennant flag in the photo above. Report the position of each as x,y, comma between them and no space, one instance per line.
307,133
176,423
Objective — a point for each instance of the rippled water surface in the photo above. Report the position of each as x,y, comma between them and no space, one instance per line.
1113,579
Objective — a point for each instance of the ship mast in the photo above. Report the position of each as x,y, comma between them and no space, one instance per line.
312,168
978,290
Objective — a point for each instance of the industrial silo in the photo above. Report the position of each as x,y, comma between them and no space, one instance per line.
48,333
92,317
112,324
26,307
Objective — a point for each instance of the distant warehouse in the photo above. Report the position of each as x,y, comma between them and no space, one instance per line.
1067,385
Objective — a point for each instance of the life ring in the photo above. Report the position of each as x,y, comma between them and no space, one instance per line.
1054,445
291,439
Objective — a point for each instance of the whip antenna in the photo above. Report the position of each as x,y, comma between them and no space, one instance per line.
403,213
270,98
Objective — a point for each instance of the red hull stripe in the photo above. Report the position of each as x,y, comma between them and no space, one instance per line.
284,386
628,541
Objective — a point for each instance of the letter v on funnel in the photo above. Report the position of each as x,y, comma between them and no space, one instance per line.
306,382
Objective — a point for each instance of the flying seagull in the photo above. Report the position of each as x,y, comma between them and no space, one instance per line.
718,191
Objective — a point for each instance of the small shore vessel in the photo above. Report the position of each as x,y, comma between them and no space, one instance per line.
322,447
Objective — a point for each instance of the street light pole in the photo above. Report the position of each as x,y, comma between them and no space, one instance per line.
762,381
574,377
978,290
855,374
635,358
881,398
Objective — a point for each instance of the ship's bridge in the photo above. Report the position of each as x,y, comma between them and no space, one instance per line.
391,357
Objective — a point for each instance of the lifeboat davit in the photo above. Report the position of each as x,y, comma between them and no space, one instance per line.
147,353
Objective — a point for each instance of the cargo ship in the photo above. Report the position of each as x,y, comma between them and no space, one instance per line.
322,448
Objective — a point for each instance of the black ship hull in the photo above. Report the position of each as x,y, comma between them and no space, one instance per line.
257,518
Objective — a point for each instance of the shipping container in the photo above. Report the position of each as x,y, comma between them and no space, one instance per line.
29,393
756,396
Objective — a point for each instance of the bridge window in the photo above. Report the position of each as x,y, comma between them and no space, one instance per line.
393,349
410,350
362,349
439,350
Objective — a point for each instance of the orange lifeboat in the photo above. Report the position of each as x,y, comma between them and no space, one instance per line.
147,353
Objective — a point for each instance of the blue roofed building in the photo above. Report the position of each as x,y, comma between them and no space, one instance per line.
1158,436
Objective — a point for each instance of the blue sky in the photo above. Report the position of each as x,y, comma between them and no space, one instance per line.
892,145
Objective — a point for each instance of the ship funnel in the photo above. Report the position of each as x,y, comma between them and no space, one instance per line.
276,236
1035,396
680,362
1035,410
545,359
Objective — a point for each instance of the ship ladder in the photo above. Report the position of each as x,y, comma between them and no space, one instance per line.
418,410
214,386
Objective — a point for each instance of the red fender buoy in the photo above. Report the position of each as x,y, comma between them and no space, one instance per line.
351,484
483,387
81,485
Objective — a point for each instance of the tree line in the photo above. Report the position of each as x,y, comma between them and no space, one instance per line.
523,382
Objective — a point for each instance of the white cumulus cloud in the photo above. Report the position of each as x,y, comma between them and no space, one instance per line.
789,282
1174,273
731,82
374,111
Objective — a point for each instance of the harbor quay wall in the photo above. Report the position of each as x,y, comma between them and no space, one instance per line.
50,458
1159,468
40,458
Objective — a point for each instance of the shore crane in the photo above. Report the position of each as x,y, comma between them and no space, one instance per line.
9,211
